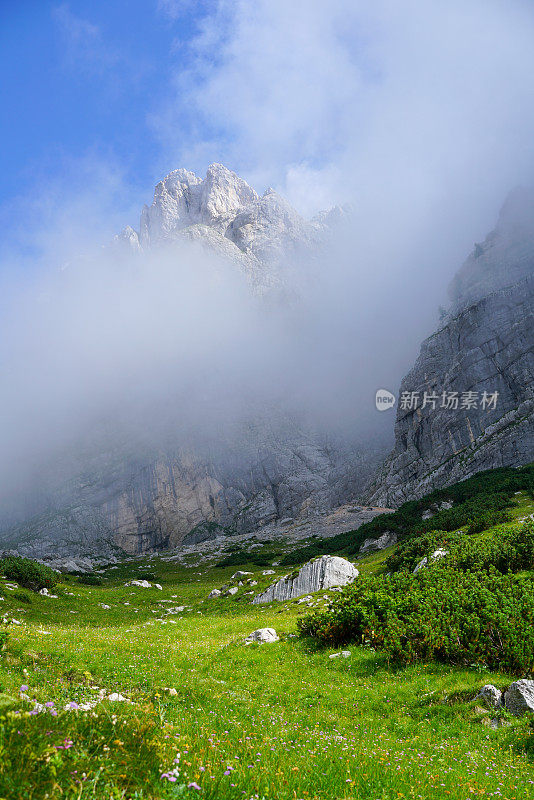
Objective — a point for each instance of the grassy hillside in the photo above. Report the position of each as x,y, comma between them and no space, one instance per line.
207,716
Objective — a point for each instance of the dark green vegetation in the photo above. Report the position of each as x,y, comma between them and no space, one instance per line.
206,716
28,573
477,501
473,604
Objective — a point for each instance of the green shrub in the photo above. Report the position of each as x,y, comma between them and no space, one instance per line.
21,596
487,520
30,574
491,490
90,580
506,549
441,613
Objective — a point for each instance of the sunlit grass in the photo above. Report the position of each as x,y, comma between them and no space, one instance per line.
274,721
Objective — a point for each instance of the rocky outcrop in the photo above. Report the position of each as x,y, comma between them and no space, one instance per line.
261,235
484,346
425,562
519,697
323,573
373,545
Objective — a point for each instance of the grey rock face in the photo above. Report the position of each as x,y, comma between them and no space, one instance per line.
373,545
323,573
490,696
127,498
519,697
504,258
486,344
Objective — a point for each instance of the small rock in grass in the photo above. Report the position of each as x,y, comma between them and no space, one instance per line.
143,584
214,593
263,636
306,599
343,654
268,572
171,691
240,574
116,697
490,696
45,593
233,590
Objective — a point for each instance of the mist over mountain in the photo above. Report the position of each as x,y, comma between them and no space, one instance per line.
216,358
204,392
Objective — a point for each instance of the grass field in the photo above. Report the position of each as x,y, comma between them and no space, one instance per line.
277,721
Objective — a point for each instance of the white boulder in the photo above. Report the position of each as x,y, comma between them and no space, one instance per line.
143,584
45,593
262,636
321,573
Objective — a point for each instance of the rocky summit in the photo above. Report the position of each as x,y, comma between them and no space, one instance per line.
483,346
260,234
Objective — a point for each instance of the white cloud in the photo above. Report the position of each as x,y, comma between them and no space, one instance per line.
388,104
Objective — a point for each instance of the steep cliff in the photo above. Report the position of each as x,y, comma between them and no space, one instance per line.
450,423
119,491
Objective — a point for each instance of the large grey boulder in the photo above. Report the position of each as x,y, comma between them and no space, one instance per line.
323,573
490,696
519,697
262,636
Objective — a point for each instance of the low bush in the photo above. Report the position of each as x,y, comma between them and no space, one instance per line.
491,490
487,519
30,574
90,580
21,596
506,549
441,613
469,607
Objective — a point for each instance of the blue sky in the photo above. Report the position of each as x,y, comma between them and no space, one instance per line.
84,77
420,113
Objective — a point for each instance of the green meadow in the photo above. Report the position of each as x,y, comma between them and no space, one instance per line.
142,700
